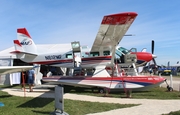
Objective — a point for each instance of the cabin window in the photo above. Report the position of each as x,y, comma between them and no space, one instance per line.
106,53
68,55
85,54
92,54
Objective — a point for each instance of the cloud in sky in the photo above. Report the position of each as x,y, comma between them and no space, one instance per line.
61,21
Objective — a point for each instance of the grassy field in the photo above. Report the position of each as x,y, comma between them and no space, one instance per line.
39,106
154,93
15,105
173,113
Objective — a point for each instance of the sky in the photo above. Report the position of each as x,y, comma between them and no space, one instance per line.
65,21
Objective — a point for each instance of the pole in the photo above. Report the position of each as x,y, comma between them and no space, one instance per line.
160,76
59,101
171,80
23,84
1,104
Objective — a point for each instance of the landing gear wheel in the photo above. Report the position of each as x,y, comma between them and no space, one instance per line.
169,88
128,93
92,90
101,90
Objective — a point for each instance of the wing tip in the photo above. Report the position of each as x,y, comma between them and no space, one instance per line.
124,14
119,18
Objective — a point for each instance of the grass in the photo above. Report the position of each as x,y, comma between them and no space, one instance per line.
154,93
173,113
15,105
39,106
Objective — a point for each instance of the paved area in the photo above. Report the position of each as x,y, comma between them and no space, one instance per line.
147,107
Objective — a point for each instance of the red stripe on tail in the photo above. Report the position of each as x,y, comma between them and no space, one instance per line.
17,42
23,31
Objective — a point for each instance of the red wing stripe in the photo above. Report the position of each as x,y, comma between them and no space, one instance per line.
120,18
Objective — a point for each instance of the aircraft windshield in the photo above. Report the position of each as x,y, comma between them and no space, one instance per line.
123,50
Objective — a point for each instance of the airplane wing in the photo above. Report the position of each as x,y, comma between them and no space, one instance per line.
113,28
13,69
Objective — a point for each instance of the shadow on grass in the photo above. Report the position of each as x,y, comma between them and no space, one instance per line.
9,86
5,96
40,112
36,102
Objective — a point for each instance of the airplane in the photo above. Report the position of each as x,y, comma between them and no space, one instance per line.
92,68
26,50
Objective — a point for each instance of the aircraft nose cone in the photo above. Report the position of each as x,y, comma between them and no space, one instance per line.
154,56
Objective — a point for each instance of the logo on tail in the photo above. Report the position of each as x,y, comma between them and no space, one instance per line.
26,42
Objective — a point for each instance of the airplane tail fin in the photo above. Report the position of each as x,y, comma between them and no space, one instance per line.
26,42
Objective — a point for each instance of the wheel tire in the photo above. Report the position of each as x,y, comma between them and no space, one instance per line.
101,90
171,89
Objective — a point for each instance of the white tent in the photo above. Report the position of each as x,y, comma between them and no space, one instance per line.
6,59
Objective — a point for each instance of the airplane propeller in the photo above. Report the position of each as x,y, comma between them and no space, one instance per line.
152,47
152,50
154,56
153,61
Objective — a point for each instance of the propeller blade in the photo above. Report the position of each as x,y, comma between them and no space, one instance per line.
154,61
152,47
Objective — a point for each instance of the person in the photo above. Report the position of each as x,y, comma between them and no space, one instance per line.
150,71
31,78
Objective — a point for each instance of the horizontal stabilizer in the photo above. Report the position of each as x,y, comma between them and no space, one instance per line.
20,52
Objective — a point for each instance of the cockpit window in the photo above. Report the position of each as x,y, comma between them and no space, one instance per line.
123,50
